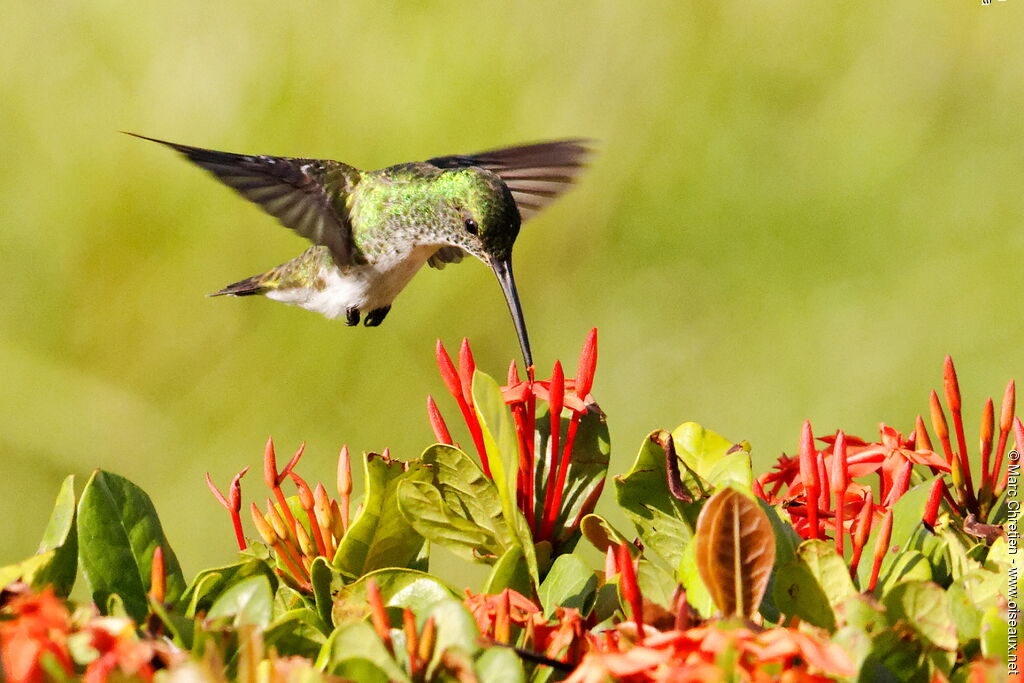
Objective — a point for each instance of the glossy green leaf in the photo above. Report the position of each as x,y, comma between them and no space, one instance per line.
828,569
380,536
355,651
924,607
118,530
510,571
466,489
707,453
657,585
425,510
56,561
499,665
569,583
665,524
247,602
179,628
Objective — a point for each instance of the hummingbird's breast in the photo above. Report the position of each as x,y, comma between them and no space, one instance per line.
367,287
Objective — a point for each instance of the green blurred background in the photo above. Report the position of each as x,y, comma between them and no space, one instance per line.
797,210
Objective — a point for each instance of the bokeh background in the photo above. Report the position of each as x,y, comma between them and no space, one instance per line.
798,209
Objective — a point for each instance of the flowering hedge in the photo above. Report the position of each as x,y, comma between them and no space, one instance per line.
851,559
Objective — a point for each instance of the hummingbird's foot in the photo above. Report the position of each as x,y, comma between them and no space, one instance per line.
352,316
376,316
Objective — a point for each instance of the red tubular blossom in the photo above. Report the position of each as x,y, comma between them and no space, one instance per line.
459,384
881,548
157,576
233,504
467,366
307,502
630,587
863,530
931,508
1005,422
552,497
809,476
921,439
437,423
344,485
587,365
449,374
378,614
840,482
952,388
609,562
988,422
412,645
900,484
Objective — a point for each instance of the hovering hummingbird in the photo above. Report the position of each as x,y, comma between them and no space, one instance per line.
373,230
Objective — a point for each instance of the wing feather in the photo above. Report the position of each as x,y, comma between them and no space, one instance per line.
306,195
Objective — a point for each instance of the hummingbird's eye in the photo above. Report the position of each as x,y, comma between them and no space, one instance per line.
471,226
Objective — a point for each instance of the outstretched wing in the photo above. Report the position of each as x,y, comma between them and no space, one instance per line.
536,174
306,195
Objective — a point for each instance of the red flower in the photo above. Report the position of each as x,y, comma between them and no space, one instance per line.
38,630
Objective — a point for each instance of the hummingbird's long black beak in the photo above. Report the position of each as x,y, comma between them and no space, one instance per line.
503,269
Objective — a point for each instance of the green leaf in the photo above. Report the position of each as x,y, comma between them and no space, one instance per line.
355,651
398,588
569,583
600,532
966,615
510,571
697,593
424,509
210,583
500,442
796,591
656,584
828,569
118,530
56,561
995,634
909,566
456,628
247,602
320,576
707,453
380,536
460,508
665,524
181,628
924,606
586,472
499,665
297,632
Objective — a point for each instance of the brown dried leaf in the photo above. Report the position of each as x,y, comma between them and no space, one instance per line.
735,552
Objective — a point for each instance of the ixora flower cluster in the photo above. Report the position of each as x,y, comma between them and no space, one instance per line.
852,560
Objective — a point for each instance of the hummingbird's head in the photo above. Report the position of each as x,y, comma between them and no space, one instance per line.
487,224
486,217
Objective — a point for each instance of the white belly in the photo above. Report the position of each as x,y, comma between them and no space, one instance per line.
365,288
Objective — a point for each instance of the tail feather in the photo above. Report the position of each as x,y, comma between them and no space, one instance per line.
247,287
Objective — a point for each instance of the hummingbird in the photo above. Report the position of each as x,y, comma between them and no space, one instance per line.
372,231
